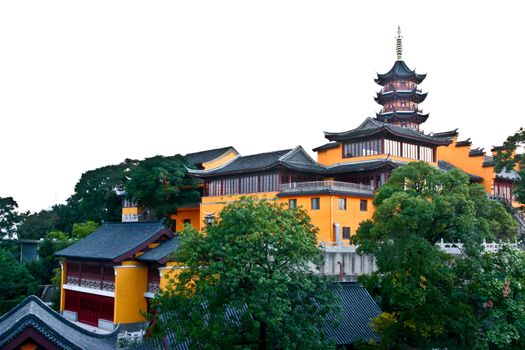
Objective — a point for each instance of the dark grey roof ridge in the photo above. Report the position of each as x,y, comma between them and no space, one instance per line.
56,315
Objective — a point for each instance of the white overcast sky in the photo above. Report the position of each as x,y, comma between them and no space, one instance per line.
90,83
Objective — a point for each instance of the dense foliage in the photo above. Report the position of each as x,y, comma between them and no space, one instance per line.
513,157
16,281
429,296
10,218
162,184
246,282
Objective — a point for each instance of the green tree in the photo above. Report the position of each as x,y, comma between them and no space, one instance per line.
418,285
498,291
37,225
247,283
512,156
162,184
10,218
83,229
16,282
95,197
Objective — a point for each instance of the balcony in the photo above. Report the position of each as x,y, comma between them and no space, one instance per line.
411,108
316,186
99,284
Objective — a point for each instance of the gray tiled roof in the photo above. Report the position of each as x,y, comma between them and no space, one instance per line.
32,312
364,165
357,311
197,158
508,174
115,241
162,251
328,145
400,70
353,324
294,159
371,127
446,166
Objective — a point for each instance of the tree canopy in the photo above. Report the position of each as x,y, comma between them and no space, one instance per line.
10,218
246,282
162,184
95,198
425,291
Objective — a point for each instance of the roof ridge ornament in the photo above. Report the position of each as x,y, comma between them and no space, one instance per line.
399,44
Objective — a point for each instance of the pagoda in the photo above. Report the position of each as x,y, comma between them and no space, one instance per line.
400,95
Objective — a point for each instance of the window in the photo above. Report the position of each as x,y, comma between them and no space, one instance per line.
342,203
292,203
426,154
346,232
393,147
363,148
363,205
187,221
316,203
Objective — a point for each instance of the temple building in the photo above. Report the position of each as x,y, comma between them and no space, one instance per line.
110,277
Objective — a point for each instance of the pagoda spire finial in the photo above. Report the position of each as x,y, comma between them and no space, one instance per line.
399,44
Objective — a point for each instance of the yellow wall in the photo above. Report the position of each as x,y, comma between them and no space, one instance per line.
330,156
130,211
459,157
167,272
193,214
329,213
62,282
217,162
323,219
131,281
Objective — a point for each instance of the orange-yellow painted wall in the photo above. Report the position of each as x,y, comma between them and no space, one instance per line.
217,162
131,282
323,219
329,213
192,214
459,157
62,282
169,272
330,156
130,211
214,204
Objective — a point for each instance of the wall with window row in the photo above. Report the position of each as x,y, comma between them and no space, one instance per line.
387,146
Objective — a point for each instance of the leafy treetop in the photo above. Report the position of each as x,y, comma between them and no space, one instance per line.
247,283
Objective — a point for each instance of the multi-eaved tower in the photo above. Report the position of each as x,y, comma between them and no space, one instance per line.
400,95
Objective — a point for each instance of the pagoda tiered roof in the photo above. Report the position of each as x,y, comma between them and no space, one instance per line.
371,127
402,116
400,71
413,95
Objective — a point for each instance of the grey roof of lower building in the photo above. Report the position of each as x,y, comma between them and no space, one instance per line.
446,166
364,165
116,241
34,313
294,159
505,174
162,252
358,309
197,158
